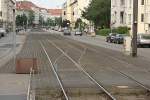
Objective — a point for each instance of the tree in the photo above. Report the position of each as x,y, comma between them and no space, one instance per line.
21,20
18,20
31,18
66,23
24,20
41,20
58,21
50,22
98,12
78,23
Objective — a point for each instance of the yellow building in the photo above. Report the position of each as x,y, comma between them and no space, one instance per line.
72,10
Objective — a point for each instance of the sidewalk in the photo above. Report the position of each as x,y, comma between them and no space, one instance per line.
12,86
6,46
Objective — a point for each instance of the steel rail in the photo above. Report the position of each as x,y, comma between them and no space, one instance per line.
29,85
84,71
55,72
131,78
122,73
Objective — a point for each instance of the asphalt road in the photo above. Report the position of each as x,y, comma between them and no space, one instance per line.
103,64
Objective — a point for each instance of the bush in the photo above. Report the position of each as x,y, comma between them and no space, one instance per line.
120,30
103,32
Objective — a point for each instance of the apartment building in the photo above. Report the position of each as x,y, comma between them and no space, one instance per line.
24,7
122,14
6,13
55,13
72,10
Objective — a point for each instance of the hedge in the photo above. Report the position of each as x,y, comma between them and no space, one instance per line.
103,32
120,30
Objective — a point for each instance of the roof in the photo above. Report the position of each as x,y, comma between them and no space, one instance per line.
55,12
25,5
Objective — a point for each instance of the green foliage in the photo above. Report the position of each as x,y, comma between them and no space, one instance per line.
122,30
41,20
58,21
103,32
119,30
50,22
99,13
21,20
79,24
65,23
31,18
18,20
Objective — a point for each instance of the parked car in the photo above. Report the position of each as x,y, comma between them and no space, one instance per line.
67,32
143,40
119,38
110,38
3,32
78,32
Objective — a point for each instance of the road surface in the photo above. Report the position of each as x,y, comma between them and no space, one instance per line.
85,70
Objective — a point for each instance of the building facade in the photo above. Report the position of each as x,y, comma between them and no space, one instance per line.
6,13
55,13
122,14
72,10
44,14
25,7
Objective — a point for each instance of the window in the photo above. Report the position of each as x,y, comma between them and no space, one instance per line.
121,17
142,2
1,13
64,12
142,17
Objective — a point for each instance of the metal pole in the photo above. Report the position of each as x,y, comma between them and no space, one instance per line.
135,25
14,35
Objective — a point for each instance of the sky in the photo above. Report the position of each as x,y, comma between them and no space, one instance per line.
48,3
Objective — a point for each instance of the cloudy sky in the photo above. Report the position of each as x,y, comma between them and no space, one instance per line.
48,3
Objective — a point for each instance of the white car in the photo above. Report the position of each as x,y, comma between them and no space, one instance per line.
3,32
143,40
78,32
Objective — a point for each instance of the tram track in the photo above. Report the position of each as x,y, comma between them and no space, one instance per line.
112,69
80,70
53,50
124,74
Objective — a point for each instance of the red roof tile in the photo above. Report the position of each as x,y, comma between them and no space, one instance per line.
55,12
25,5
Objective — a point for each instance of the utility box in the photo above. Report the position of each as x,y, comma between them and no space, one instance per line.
24,65
127,45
